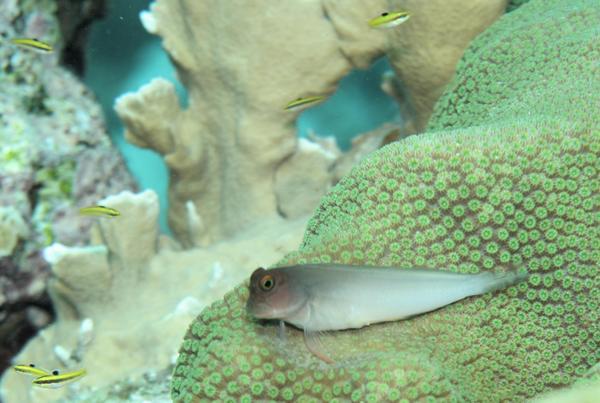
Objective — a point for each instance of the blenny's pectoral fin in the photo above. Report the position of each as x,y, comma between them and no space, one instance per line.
314,345
281,331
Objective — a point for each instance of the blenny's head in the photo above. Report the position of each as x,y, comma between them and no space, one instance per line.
273,295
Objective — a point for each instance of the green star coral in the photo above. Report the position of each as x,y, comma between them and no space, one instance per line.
507,177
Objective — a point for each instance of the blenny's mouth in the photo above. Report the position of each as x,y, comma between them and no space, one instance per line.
259,310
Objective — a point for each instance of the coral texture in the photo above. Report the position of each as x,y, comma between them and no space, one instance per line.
131,294
425,51
507,176
49,127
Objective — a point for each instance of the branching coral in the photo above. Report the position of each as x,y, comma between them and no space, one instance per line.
223,149
232,150
507,177
131,294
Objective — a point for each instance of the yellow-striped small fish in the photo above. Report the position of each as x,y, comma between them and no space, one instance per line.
389,20
32,43
301,103
57,380
31,369
99,211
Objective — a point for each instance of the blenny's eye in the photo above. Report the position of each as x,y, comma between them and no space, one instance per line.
267,283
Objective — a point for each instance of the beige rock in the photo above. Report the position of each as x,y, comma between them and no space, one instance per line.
241,62
357,41
12,228
425,49
365,144
303,179
124,303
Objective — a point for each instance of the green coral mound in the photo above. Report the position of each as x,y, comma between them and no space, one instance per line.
507,177
540,61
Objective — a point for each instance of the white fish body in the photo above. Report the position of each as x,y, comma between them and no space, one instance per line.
376,296
335,296
326,297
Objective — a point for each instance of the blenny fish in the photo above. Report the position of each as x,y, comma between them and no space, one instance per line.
321,297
